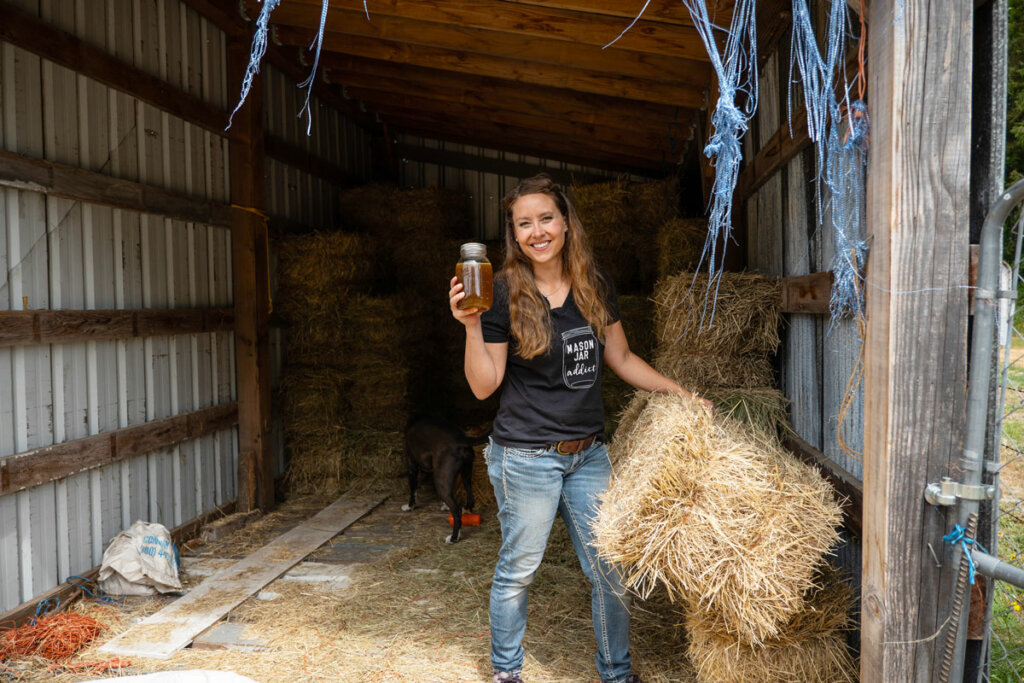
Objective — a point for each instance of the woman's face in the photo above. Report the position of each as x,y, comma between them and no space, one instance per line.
539,226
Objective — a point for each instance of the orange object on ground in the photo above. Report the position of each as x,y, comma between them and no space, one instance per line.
468,519
55,637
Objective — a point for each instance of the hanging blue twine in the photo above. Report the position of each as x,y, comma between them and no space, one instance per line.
259,48
959,535
736,70
841,159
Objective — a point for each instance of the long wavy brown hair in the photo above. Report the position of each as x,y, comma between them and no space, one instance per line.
529,315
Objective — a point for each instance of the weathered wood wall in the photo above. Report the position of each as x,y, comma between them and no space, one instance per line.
787,237
134,91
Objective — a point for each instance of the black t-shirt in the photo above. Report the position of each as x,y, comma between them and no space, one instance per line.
556,396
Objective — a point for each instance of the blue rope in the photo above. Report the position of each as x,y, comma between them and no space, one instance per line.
82,583
259,48
736,69
959,535
45,607
841,159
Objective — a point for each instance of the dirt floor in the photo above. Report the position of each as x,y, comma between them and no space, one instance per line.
386,600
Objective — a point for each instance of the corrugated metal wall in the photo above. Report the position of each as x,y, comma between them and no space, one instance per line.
484,189
64,254
784,238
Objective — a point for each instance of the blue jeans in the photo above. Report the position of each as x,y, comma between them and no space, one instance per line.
531,485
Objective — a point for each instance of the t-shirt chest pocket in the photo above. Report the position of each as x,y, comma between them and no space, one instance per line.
581,358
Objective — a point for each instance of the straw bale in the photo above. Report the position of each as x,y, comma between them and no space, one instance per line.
604,210
811,647
720,515
398,214
315,271
326,463
680,242
702,372
651,204
764,408
746,315
312,399
654,202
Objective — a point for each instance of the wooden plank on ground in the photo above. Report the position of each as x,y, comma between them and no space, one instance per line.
162,634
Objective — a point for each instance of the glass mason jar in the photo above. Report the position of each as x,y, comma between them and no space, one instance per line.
474,272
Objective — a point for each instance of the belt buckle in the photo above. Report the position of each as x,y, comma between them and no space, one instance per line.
560,445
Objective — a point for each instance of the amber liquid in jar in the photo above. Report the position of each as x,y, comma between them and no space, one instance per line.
477,282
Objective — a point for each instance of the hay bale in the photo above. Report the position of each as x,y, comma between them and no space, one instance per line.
811,648
763,408
604,211
723,517
653,203
680,242
387,211
312,399
316,271
704,372
746,315
326,462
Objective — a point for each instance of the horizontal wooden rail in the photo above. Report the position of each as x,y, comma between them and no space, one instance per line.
21,328
295,156
39,175
845,484
38,466
66,592
60,47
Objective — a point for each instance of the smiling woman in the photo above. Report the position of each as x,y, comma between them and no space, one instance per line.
553,323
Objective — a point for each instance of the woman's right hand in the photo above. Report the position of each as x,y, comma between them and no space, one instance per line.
468,316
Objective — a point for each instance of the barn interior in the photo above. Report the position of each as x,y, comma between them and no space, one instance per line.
311,243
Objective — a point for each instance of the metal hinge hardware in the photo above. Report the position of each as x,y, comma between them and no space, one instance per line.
947,492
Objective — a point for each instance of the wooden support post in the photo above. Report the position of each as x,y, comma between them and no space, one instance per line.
916,346
249,246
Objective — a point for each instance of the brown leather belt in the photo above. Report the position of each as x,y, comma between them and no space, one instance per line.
575,446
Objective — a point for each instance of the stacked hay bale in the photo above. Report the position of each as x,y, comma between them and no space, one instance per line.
721,343
637,314
680,242
363,347
733,528
604,210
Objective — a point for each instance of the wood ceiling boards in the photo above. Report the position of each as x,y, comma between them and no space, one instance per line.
529,76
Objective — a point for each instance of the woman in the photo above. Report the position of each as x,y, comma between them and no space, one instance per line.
554,320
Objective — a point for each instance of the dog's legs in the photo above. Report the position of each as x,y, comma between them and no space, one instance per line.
467,481
414,478
444,481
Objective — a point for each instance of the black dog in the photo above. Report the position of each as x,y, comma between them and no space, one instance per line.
434,445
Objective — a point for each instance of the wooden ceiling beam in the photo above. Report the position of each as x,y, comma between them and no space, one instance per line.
525,73
382,101
488,91
583,28
494,43
658,11
533,141
575,155
369,89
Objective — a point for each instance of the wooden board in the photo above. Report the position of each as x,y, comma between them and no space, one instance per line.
162,634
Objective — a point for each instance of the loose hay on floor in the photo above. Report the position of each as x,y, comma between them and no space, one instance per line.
811,648
420,613
746,315
718,514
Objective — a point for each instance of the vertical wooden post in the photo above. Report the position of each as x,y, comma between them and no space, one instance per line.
249,249
916,346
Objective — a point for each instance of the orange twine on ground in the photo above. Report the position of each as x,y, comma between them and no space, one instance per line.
54,637
93,668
